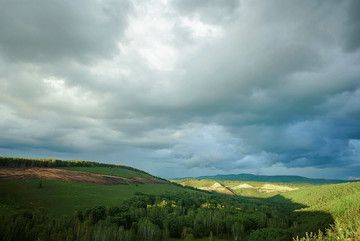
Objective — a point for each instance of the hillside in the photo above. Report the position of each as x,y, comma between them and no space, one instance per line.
263,178
78,200
121,170
336,198
241,188
342,201
62,186
45,173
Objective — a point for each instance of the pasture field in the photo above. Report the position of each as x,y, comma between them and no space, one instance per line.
63,198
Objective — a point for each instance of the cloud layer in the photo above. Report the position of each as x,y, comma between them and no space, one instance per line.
183,88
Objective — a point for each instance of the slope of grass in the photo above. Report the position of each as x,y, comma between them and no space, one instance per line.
63,198
29,162
342,201
255,189
335,198
251,193
109,171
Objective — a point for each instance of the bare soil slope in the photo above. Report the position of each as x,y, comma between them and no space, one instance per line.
12,173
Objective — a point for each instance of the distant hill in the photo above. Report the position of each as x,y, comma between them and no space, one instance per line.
273,179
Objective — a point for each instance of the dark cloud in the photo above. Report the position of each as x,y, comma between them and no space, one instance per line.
352,27
185,87
46,31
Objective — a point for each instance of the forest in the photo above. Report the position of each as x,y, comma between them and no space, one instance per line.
171,215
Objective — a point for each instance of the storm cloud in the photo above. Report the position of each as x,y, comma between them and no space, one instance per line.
184,88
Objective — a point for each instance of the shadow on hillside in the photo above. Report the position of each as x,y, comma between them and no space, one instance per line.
302,220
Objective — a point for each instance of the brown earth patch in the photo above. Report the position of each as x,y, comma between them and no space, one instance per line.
152,180
12,173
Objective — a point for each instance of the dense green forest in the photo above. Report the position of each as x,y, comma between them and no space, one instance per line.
175,215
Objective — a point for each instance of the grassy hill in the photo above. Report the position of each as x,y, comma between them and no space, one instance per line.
64,197
112,171
273,179
102,168
241,188
336,199
342,201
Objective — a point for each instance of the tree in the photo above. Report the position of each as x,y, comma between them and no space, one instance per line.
148,231
237,231
189,237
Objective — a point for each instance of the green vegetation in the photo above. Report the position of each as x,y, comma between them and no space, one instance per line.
240,188
59,210
63,198
181,215
342,201
332,198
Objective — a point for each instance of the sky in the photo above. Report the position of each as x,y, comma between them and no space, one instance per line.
184,87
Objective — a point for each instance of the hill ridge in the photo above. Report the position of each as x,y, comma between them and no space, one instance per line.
267,178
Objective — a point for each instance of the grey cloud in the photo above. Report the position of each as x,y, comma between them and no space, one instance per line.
352,27
47,31
208,11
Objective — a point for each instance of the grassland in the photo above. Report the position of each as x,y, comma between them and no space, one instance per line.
120,172
342,201
241,188
334,198
63,198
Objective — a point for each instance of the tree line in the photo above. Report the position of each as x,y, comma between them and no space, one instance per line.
29,162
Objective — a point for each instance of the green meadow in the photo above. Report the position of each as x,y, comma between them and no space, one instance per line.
63,198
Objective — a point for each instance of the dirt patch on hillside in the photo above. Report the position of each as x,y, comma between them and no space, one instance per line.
12,173
276,188
152,180
245,185
217,187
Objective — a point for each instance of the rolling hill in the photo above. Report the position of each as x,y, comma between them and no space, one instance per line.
62,186
263,178
241,188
